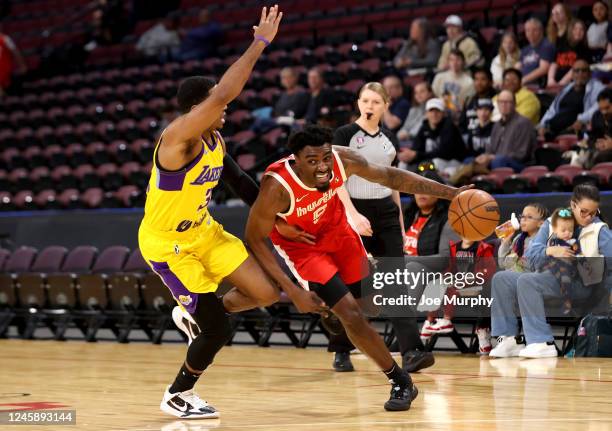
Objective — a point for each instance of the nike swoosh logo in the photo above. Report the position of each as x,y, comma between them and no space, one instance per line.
183,409
298,200
359,147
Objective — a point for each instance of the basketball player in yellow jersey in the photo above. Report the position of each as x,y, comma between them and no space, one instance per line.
180,240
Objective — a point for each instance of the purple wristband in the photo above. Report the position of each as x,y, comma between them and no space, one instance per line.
263,39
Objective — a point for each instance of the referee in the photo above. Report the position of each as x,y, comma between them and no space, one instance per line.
376,213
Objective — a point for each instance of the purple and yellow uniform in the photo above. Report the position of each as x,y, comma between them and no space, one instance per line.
178,237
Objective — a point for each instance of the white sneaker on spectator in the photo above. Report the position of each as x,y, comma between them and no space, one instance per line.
506,347
426,332
484,340
442,326
539,350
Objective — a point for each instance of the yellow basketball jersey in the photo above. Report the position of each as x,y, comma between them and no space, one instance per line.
177,201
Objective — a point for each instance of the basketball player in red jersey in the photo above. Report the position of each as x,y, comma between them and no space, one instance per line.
302,189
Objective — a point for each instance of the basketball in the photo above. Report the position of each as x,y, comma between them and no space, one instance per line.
473,214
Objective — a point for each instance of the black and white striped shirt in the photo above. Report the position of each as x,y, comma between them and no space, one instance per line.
379,148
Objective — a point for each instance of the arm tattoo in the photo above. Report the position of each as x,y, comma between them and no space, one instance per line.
394,178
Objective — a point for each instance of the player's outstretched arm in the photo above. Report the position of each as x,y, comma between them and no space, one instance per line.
193,124
396,179
271,200
238,181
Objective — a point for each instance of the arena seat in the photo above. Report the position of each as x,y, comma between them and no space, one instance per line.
24,200
30,287
47,199
70,198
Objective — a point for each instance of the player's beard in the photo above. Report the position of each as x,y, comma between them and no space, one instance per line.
323,188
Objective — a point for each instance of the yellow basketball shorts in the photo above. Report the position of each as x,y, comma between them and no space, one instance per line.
192,262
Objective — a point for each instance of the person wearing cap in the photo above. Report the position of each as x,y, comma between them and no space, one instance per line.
458,39
438,140
483,87
478,139
455,85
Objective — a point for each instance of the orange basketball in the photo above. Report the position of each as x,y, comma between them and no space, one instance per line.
473,214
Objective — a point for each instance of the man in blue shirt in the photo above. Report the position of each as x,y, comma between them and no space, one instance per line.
574,105
537,56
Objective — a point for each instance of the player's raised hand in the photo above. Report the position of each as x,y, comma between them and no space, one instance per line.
268,24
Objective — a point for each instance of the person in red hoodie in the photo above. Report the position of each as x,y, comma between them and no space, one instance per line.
465,257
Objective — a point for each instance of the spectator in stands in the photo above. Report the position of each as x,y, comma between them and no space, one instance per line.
478,142
321,97
574,105
438,140
162,40
597,35
537,56
11,61
466,257
529,289
293,102
479,136
458,39
421,50
558,24
399,107
483,87
513,247
108,24
455,85
569,49
202,41
416,115
600,136
289,109
428,232
509,55
527,103
513,137
428,235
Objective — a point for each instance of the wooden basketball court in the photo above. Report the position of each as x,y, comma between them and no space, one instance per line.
119,386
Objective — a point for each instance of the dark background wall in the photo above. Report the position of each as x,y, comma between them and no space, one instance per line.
103,228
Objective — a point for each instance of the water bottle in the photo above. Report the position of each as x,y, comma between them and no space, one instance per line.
508,228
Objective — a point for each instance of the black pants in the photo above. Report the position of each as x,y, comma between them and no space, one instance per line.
386,241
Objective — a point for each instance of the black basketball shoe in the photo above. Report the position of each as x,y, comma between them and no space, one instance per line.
401,397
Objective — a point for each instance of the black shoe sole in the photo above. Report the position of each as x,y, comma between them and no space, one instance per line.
425,362
343,370
400,406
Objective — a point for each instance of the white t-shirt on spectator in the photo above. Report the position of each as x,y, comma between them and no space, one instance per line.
597,35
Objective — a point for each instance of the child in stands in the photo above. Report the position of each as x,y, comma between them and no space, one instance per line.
512,248
466,257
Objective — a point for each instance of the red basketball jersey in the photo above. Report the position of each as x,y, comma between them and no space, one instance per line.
338,248
310,209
